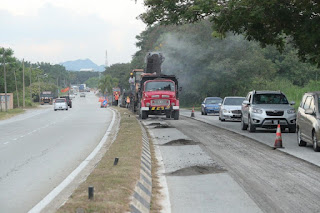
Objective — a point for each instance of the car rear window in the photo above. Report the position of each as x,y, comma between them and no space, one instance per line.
213,101
60,100
233,101
269,99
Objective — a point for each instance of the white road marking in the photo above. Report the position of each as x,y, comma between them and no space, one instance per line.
45,201
5,143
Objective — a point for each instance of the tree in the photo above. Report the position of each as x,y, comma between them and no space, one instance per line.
269,22
106,83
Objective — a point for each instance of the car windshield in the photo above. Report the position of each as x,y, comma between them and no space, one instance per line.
160,85
233,101
213,101
270,99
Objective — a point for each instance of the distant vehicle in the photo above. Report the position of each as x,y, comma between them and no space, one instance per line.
211,105
82,95
231,108
69,101
82,87
60,104
308,120
46,97
72,96
75,93
267,109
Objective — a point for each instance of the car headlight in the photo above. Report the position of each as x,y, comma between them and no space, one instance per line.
225,111
258,111
291,111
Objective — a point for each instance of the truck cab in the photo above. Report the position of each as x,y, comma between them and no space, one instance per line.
159,95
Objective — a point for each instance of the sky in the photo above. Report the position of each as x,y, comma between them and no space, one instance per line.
56,31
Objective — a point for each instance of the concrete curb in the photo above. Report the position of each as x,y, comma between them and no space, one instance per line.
143,190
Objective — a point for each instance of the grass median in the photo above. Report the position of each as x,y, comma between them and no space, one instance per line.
113,185
11,113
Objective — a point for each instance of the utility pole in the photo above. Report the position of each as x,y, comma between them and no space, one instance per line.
5,82
30,82
23,92
39,88
15,79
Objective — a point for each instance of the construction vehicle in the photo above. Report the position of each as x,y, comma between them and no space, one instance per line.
155,93
46,97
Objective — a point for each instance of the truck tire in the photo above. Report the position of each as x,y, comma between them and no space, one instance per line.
176,115
144,114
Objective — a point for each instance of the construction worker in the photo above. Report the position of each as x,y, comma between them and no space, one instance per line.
128,101
116,98
131,82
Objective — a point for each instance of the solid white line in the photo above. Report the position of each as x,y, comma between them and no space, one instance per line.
45,201
5,143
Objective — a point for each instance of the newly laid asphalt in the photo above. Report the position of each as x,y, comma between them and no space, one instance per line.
289,140
39,149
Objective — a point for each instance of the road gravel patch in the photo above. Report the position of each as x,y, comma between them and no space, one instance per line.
180,142
197,170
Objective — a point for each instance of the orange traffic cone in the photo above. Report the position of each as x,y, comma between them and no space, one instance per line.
278,141
192,112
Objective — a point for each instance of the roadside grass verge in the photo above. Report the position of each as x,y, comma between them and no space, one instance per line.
155,206
11,113
113,185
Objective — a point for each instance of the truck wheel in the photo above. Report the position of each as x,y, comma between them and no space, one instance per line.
144,114
176,115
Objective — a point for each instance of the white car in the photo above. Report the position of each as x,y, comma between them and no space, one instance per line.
230,108
82,94
60,104
72,96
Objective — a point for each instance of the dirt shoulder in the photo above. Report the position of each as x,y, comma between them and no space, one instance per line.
113,185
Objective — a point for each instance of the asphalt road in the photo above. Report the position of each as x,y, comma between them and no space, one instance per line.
289,140
40,149
275,181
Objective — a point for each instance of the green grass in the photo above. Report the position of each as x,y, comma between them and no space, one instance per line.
11,113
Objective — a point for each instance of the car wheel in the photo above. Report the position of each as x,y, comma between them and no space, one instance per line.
221,119
300,141
67,109
251,127
316,148
55,110
243,125
292,129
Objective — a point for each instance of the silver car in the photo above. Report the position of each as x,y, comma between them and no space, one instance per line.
60,104
231,108
267,109
308,129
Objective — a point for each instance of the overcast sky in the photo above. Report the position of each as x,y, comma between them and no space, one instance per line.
61,30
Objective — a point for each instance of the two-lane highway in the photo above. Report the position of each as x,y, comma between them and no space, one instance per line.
38,152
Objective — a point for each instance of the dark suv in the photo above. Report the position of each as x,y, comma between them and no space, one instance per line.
68,100
267,109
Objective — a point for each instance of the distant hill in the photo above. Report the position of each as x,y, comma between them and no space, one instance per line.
82,64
